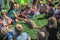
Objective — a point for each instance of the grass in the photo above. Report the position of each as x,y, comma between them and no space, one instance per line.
32,32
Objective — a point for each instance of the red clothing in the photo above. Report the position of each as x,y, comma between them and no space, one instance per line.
59,8
23,14
47,8
1,22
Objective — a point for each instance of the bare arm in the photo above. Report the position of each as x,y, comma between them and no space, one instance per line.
16,16
54,22
29,38
33,9
9,21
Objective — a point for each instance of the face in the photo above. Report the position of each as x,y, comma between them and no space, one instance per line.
59,8
3,16
15,6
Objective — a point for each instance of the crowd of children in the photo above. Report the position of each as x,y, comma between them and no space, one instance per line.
23,12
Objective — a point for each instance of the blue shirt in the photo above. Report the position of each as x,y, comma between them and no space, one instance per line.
22,36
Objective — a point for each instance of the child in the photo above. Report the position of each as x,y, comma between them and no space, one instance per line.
6,20
28,11
42,34
35,10
52,27
19,34
57,15
23,14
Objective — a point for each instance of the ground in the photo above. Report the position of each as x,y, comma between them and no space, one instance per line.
32,32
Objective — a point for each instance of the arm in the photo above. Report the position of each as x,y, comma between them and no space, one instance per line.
54,23
39,8
32,9
24,15
29,38
9,21
16,16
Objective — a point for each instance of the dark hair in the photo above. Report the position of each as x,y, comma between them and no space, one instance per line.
34,2
40,36
11,6
58,5
22,10
51,14
2,13
51,5
27,7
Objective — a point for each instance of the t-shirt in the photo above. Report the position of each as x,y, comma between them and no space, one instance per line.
22,36
11,13
18,11
5,20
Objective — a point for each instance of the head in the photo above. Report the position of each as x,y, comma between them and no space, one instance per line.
13,6
59,0
40,2
35,2
48,2
42,35
51,14
17,6
47,8
58,7
3,14
18,28
51,5
27,7
4,30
